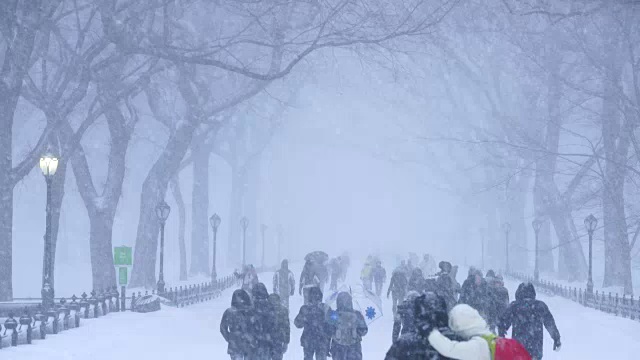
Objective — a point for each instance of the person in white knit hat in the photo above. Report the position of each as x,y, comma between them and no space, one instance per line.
467,323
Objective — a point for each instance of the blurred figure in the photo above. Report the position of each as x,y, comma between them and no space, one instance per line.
445,286
345,261
284,284
265,323
316,335
379,275
347,329
282,329
498,299
398,286
417,282
466,323
429,312
308,280
366,274
236,326
335,271
249,277
528,315
403,320
474,291
428,265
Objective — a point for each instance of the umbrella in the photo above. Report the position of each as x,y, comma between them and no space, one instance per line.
317,257
364,301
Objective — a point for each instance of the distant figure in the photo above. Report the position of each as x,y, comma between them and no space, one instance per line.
347,329
528,315
265,322
345,261
236,326
474,291
249,278
335,271
366,274
445,286
403,319
315,334
308,280
417,282
428,265
282,331
397,287
284,284
497,299
379,275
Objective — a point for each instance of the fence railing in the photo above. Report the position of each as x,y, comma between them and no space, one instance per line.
188,295
624,306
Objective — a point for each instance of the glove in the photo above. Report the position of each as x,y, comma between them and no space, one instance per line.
556,345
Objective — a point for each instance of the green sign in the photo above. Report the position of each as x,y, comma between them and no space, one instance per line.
122,256
122,275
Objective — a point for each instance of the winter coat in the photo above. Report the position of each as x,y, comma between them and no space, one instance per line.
417,282
308,277
404,320
446,288
311,318
265,317
344,308
527,316
467,323
398,284
379,274
474,293
282,331
497,301
284,283
414,346
237,324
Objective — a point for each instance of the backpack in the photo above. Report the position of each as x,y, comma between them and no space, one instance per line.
346,328
506,349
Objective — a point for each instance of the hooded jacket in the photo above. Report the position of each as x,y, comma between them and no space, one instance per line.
311,319
344,305
282,330
284,283
498,299
265,316
237,323
467,323
527,316
398,284
474,291
404,321
417,282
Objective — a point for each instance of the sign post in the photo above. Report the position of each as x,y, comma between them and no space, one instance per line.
122,259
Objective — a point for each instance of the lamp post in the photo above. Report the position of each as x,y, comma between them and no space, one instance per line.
49,166
590,222
506,227
245,224
263,229
537,225
214,220
162,212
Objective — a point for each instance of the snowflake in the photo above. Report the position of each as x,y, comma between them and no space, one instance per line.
370,312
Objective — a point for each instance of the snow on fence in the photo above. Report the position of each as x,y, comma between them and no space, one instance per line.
614,304
188,295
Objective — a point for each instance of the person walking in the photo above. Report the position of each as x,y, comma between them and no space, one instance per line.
474,291
347,329
284,283
379,275
445,285
265,323
282,330
312,319
403,319
417,281
527,316
366,274
308,280
236,326
497,299
397,287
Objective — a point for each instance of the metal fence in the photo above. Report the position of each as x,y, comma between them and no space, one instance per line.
624,306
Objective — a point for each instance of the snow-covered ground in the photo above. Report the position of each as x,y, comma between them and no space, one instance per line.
193,332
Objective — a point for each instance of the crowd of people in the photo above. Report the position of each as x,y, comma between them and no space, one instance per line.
434,316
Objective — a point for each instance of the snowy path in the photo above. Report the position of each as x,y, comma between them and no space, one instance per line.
192,332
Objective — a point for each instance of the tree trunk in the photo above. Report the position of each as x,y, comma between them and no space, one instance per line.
200,210
572,265
234,255
13,70
154,189
546,261
100,241
250,201
177,195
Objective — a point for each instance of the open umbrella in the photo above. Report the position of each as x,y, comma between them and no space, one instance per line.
317,257
364,301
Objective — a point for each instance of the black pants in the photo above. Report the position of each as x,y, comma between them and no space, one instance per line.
309,352
341,352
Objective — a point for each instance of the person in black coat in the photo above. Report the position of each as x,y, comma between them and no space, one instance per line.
497,300
527,316
265,323
379,277
429,312
403,321
315,334
474,291
347,329
236,326
417,282
282,332
397,287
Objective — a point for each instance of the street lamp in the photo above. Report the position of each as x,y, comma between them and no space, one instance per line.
590,222
506,227
245,224
537,225
49,166
162,212
214,220
263,228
